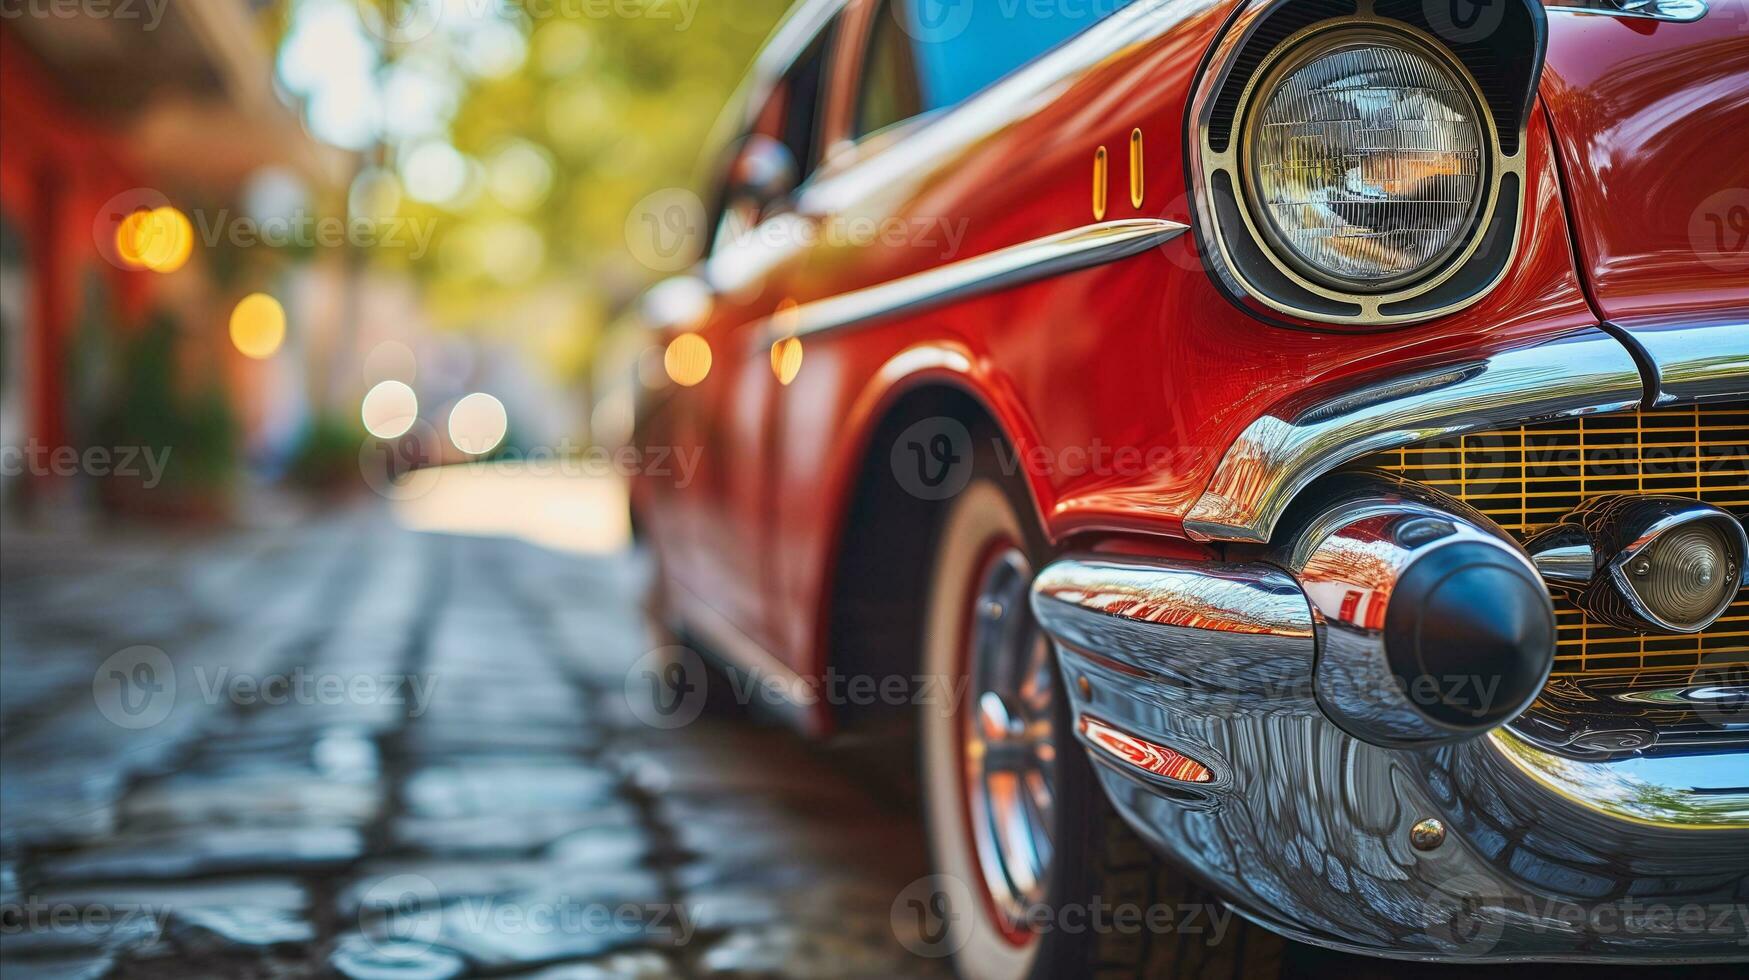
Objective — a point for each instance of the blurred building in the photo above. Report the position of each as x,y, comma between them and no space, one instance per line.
99,117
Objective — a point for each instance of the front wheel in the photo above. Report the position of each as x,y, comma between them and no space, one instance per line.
1040,876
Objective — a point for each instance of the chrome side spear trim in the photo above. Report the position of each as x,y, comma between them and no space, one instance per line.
1040,258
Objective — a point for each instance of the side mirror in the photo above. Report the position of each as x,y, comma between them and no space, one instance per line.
763,173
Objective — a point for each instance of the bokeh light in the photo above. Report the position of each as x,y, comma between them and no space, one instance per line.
435,172
477,424
330,59
520,175
160,240
389,409
786,359
258,326
687,360
492,48
130,238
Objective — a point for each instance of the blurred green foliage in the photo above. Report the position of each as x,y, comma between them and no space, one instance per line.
618,97
152,407
326,458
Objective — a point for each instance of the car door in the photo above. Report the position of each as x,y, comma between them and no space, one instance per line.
723,560
903,67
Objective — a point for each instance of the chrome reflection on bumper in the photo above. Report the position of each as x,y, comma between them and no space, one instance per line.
1695,362
1274,458
1308,829
1395,574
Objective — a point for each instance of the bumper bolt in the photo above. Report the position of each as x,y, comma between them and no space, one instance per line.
1427,834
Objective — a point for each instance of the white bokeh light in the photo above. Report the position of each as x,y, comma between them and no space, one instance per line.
493,48
478,423
329,60
419,98
434,172
390,409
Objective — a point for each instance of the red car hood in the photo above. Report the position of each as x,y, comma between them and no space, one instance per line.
1652,120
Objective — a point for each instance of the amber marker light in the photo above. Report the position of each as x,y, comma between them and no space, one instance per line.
1136,174
786,359
1143,754
786,352
258,326
687,360
1101,181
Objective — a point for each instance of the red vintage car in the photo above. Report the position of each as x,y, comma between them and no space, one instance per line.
1309,438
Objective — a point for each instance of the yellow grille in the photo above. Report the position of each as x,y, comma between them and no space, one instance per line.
1527,478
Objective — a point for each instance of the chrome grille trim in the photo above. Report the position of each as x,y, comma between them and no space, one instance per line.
1582,373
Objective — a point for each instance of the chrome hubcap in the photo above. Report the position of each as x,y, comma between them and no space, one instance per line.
1011,751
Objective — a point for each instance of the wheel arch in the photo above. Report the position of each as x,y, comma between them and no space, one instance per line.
874,582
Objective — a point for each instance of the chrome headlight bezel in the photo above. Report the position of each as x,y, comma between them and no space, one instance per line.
1320,42
1498,72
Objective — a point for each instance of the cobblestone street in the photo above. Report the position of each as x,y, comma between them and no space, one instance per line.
346,747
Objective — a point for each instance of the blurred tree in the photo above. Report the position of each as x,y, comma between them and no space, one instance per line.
159,405
516,136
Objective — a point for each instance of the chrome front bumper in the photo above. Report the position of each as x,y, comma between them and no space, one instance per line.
1497,848
1308,830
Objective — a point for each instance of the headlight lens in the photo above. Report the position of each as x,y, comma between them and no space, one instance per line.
1366,162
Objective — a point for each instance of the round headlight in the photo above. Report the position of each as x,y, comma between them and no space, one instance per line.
1366,157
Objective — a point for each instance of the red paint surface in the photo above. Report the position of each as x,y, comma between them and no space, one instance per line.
1653,124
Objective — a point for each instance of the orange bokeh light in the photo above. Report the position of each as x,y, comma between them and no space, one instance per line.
687,360
161,239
